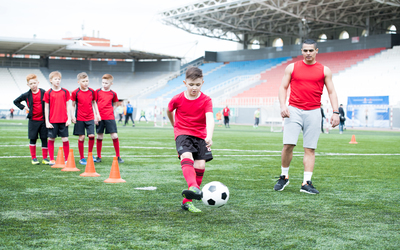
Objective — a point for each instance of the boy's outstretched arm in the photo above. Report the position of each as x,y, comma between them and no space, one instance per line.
210,128
171,117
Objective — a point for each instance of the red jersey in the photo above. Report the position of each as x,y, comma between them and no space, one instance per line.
57,101
83,103
306,85
226,111
37,109
190,115
105,100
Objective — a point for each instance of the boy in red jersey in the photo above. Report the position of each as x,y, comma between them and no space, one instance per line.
193,128
307,79
36,124
84,114
106,102
57,113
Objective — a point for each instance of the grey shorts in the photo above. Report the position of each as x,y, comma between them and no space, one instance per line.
307,120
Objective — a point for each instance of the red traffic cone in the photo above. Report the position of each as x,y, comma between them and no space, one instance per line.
70,166
60,159
90,170
353,140
115,176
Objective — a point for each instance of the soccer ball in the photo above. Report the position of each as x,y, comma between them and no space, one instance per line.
215,194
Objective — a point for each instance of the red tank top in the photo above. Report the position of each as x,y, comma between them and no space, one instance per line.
306,85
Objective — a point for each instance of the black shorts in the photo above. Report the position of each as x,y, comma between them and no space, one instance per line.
35,128
109,125
81,126
194,145
58,129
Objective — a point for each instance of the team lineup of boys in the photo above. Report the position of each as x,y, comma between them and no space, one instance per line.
191,116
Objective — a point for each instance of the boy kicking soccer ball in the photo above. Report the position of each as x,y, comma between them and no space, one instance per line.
193,128
84,114
106,103
36,124
57,113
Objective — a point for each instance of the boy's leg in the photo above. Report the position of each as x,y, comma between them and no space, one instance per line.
32,148
50,146
114,137
91,143
65,147
99,145
81,146
44,151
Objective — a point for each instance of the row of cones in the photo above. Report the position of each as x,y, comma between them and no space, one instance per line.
90,171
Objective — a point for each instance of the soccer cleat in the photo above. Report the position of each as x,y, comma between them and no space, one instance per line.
83,161
308,188
45,161
52,163
120,160
190,207
282,183
98,159
192,193
35,161
94,159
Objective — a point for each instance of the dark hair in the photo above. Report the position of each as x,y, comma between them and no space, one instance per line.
310,41
193,73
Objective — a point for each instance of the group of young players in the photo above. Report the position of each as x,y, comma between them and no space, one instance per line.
50,114
191,115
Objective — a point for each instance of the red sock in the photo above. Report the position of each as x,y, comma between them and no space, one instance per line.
186,200
50,145
199,175
81,148
116,146
32,148
189,173
44,153
91,144
66,149
98,147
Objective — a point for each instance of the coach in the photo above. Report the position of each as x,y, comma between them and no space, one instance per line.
306,79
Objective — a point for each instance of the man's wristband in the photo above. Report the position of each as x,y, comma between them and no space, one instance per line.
335,112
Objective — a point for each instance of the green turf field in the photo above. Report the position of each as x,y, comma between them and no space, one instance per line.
358,206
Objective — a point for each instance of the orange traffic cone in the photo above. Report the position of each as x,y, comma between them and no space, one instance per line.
90,170
70,166
60,159
115,176
353,140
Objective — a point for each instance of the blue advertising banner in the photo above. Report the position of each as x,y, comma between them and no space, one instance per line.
368,111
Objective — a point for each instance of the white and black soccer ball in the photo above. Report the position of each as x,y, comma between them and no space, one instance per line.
215,194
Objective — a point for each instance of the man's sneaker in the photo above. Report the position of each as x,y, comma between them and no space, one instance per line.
282,183
98,159
83,161
35,161
120,160
192,193
308,188
52,163
190,207
45,161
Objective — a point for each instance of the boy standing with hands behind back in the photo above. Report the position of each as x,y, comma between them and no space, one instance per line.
193,128
36,124
57,113
84,114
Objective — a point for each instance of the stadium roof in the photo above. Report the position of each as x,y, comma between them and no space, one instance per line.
230,19
69,48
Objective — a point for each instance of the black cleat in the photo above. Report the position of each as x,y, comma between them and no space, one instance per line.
308,188
282,183
192,193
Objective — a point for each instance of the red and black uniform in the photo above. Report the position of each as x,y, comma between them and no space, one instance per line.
226,112
190,129
36,124
58,116
84,116
105,100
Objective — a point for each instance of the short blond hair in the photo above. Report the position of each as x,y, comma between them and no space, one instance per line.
54,74
108,77
30,77
82,75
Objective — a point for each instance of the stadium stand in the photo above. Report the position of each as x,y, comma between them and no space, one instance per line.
19,76
336,61
12,90
379,75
